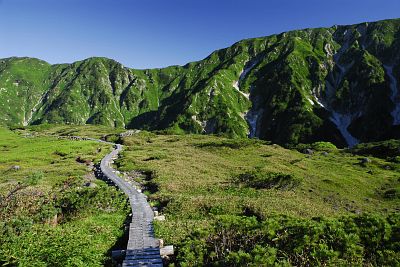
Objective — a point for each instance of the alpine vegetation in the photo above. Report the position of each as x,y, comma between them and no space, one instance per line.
299,86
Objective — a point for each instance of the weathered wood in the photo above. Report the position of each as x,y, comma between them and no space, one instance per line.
143,248
167,251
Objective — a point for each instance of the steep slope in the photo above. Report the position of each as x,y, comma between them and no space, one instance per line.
337,84
23,83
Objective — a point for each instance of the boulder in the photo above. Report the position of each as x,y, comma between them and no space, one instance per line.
365,161
15,168
161,243
159,218
308,151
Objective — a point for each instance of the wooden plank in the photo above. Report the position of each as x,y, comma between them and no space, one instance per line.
142,263
143,248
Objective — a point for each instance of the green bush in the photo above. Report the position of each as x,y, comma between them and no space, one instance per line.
87,223
363,240
323,146
34,178
317,146
392,193
230,143
389,149
267,180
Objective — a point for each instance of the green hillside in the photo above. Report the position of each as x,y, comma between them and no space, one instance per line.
335,84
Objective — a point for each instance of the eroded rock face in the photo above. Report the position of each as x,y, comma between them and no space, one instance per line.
336,84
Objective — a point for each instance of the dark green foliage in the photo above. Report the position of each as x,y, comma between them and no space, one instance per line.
230,143
34,178
72,198
283,241
317,146
63,224
385,149
60,153
262,179
392,193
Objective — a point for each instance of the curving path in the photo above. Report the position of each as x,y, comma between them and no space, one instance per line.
143,249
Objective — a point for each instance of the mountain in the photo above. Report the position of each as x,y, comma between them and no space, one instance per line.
337,84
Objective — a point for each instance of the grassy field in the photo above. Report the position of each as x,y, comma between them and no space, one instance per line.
228,202
53,211
93,131
55,158
196,179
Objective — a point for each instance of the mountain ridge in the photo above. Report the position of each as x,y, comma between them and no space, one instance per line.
297,86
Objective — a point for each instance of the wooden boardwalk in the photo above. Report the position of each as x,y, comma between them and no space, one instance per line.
142,249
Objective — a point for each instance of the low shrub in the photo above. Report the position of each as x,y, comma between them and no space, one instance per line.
230,143
267,180
317,146
363,240
392,193
70,225
323,146
60,153
389,149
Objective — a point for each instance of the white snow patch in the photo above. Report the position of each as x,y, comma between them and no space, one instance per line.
243,74
342,122
311,102
319,102
316,92
201,123
394,95
328,50
236,86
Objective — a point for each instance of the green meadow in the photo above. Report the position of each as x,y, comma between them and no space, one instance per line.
53,211
229,201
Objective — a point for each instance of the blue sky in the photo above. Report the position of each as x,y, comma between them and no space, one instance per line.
158,33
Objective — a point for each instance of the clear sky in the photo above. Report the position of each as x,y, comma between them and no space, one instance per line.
158,33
